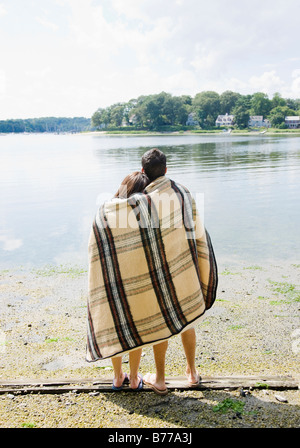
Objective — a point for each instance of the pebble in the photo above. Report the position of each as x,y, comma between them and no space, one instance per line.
242,393
230,349
281,398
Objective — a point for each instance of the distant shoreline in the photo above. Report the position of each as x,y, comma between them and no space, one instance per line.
154,133
184,133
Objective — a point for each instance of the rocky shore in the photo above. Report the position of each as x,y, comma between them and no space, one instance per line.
253,328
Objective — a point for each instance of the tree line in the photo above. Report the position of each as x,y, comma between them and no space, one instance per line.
47,124
165,111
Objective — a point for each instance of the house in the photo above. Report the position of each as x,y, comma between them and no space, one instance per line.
133,119
225,120
267,123
292,122
257,121
192,121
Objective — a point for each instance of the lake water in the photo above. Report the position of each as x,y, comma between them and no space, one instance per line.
247,188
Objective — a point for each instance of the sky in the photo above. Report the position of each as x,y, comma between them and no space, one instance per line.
67,58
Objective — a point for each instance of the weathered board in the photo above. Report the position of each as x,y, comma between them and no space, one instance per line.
177,383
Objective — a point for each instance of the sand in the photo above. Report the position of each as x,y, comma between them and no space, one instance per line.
253,328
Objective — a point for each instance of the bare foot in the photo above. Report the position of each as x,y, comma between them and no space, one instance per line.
118,382
159,387
135,381
193,378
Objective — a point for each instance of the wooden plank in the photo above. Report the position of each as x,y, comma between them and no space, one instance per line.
178,383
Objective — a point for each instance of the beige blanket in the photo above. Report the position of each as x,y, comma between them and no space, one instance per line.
152,270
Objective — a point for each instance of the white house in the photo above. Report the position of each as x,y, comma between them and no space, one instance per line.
191,120
225,120
257,121
133,119
292,122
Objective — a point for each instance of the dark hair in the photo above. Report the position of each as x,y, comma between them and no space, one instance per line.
133,183
154,163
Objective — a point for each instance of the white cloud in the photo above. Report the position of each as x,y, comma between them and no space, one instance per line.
3,10
296,73
2,82
104,51
40,73
268,82
293,90
46,23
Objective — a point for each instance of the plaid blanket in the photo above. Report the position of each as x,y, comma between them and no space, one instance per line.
152,270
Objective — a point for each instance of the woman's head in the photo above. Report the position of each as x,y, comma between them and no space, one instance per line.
135,182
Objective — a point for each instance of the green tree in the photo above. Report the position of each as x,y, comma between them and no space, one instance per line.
241,116
176,109
277,100
278,114
228,100
260,104
241,111
116,114
101,118
206,104
293,104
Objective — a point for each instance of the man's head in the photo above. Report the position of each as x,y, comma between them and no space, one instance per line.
154,163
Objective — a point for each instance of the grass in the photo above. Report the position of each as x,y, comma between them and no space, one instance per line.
261,385
229,403
227,272
128,132
255,267
59,339
279,302
287,289
70,271
282,287
235,327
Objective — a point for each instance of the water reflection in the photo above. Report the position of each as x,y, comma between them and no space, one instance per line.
50,185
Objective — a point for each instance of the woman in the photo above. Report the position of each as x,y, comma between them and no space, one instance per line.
135,182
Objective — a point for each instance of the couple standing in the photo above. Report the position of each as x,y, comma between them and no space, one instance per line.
152,274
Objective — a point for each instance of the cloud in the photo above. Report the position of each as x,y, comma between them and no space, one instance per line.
103,51
40,73
268,82
2,82
293,91
46,23
3,10
296,73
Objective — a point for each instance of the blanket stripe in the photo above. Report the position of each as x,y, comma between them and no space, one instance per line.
158,267
124,323
187,218
92,345
152,270
210,295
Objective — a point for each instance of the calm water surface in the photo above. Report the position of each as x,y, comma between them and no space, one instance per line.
247,188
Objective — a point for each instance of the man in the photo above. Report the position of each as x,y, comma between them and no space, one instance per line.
154,166
152,275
